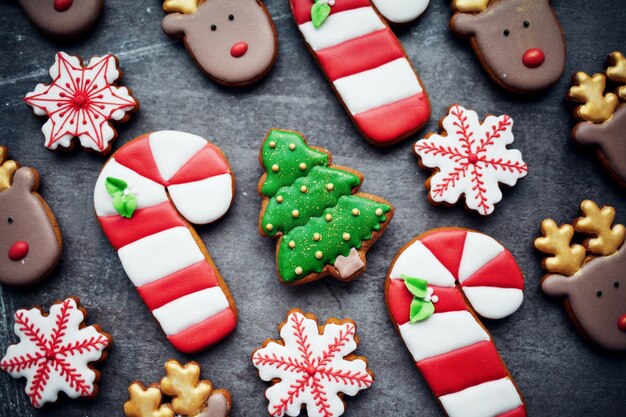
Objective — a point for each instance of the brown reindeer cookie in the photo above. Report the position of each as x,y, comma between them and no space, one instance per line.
63,19
591,277
30,238
602,115
233,41
190,397
519,43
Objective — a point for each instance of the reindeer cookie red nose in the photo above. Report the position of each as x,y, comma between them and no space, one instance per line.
239,49
62,5
533,57
621,323
18,251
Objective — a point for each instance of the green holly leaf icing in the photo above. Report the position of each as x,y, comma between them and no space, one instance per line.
420,310
286,157
293,205
416,286
308,248
124,203
319,14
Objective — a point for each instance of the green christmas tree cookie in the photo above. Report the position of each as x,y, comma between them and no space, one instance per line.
324,225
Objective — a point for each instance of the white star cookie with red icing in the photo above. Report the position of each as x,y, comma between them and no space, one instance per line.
81,102
314,365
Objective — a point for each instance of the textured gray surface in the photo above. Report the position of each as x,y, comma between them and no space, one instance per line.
558,373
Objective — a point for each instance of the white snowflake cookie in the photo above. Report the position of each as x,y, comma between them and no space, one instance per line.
54,352
471,159
81,102
312,367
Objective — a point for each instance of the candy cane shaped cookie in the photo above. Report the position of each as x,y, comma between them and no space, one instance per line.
426,290
367,67
144,197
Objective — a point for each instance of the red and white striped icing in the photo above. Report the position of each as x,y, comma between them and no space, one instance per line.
368,68
157,248
451,348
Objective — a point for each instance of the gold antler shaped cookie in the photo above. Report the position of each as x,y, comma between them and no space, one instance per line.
7,169
146,403
181,6
183,384
599,222
617,72
597,107
469,6
556,240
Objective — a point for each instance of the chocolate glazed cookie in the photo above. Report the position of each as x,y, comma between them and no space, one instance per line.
63,19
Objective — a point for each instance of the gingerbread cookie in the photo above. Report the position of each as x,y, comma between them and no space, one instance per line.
30,238
437,286
380,88
55,352
81,102
190,396
233,41
323,225
312,366
470,158
602,114
519,43
401,11
63,19
144,198
590,277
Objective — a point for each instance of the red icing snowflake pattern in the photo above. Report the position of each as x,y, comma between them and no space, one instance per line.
471,159
311,367
54,353
81,102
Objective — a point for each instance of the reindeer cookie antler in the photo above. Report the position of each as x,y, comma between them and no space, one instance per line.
470,6
7,169
602,116
181,6
190,396
594,273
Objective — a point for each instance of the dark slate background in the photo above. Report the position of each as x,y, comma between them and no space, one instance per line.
558,373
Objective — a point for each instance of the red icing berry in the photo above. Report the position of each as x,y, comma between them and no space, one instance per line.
533,57
62,5
621,323
239,49
18,251
80,100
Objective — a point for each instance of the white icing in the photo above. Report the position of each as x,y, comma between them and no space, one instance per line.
401,11
386,84
494,303
79,360
149,193
159,255
171,150
478,251
341,27
419,262
484,400
67,121
441,333
191,309
204,201
456,160
290,375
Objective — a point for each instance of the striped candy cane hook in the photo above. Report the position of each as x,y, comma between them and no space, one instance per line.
451,348
172,177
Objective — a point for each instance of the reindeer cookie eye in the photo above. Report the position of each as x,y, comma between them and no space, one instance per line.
616,284
506,32
213,28
526,23
10,220
599,293
231,17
